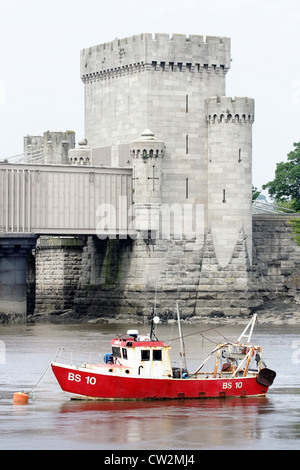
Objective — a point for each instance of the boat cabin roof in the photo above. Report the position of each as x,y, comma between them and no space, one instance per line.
131,342
133,339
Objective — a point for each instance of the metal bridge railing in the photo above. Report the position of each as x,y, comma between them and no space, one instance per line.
34,157
259,207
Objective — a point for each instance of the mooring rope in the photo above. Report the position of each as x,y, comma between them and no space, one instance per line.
39,380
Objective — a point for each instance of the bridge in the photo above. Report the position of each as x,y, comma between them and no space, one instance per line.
64,199
53,200
38,199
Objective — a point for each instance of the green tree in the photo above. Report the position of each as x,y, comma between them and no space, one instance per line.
285,188
295,224
255,193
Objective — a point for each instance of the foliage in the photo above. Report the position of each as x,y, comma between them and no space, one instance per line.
255,193
295,224
286,185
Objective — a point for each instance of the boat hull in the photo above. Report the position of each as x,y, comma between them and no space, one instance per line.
92,384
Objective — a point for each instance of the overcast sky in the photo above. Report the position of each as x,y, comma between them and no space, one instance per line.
40,86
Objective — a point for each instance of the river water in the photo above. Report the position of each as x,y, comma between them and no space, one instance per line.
51,421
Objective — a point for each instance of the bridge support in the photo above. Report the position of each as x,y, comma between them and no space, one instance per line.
58,267
16,277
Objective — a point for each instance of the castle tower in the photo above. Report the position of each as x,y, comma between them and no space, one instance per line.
176,86
53,146
159,83
147,153
229,173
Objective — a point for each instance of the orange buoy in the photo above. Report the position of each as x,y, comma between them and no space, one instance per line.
20,398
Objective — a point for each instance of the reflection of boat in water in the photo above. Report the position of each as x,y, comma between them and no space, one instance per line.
144,406
164,424
139,368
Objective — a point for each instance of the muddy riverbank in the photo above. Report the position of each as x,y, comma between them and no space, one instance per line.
275,313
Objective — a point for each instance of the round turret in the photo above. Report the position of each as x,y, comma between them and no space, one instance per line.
230,172
147,152
81,155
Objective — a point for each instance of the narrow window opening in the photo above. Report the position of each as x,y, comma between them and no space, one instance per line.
240,156
187,103
186,144
224,200
186,188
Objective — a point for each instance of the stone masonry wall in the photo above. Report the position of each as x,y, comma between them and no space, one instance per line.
224,291
276,259
125,279
58,264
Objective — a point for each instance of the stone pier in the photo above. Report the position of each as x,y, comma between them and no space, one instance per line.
17,277
58,265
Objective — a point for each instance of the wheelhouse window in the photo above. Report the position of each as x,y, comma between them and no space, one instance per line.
116,351
156,354
145,355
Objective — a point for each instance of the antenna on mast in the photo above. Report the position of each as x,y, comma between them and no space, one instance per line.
182,347
154,321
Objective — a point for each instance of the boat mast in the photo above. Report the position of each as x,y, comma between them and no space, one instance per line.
154,321
251,326
182,347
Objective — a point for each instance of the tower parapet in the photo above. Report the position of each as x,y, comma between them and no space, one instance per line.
178,53
227,109
81,155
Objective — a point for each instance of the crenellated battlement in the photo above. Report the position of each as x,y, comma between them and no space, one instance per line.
159,52
227,109
147,146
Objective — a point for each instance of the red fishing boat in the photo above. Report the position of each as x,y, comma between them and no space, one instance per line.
139,368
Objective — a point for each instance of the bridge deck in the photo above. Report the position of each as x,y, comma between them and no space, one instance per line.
64,199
